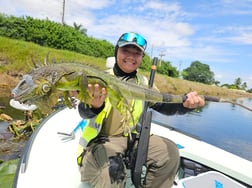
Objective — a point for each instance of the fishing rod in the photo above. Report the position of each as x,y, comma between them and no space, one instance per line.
180,99
221,100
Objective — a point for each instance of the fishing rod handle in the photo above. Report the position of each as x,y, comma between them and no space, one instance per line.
211,98
169,98
153,70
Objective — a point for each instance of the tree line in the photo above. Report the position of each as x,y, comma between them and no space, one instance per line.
55,35
74,38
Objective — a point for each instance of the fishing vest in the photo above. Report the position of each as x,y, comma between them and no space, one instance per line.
94,125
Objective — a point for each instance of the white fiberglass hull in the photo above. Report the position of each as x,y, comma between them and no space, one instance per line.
50,162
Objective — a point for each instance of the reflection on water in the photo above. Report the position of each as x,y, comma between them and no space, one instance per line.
221,124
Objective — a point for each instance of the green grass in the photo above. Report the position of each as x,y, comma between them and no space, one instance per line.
18,55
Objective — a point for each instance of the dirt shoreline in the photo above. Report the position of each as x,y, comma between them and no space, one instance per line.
7,83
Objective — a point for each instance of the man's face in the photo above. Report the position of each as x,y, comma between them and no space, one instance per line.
129,58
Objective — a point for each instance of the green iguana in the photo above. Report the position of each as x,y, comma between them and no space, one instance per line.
45,84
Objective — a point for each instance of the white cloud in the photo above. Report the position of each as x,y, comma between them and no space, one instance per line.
37,9
244,36
87,4
162,6
233,34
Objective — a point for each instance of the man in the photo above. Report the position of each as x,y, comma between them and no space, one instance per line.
105,139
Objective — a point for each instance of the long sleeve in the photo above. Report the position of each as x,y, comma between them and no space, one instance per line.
87,112
170,108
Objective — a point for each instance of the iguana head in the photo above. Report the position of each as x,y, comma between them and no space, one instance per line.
33,90
42,87
29,89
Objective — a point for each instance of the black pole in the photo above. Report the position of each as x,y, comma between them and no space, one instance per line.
143,142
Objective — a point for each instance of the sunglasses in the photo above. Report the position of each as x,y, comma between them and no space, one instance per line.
133,38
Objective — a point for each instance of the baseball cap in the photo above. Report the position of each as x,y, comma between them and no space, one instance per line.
131,38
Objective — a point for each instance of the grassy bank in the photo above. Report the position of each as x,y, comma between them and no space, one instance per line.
16,58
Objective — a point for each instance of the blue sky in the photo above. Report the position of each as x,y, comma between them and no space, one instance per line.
214,32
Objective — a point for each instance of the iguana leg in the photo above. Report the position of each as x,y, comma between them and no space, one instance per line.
14,130
67,100
83,93
120,102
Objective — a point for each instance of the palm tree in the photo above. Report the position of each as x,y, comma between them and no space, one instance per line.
244,85
80,28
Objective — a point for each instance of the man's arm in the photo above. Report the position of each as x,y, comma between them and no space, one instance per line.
170,108
87,112
193,100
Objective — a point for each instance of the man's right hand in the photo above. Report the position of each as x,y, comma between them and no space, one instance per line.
98,95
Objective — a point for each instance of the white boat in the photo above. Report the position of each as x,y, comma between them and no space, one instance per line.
48,161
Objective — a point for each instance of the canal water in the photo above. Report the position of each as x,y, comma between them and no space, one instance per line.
223,125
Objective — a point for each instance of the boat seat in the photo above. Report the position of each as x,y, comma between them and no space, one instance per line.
210,179
84,185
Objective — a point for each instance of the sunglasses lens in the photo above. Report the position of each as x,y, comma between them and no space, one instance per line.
133,37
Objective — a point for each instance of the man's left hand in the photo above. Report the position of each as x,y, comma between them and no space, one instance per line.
193,100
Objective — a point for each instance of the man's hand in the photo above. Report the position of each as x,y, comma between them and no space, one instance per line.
193,100
98,95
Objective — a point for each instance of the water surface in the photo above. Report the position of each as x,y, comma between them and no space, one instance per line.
221,124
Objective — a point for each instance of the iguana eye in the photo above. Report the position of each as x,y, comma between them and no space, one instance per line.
46,88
